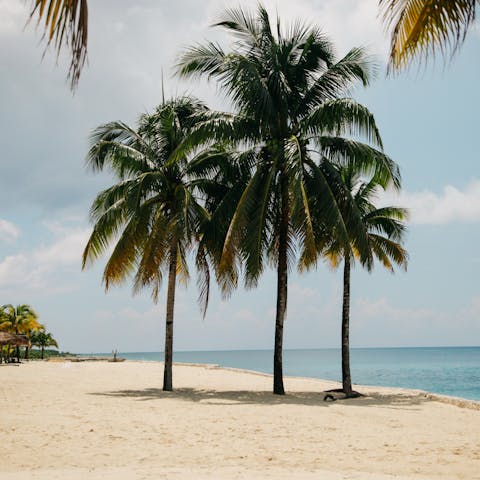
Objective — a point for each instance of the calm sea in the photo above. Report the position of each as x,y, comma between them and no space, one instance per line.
446,370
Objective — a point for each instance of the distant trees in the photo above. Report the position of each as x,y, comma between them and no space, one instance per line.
43,340
22,325
18,320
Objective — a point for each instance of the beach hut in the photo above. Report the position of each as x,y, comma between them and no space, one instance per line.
7,338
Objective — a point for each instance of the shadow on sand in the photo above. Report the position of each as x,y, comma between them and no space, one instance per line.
244,397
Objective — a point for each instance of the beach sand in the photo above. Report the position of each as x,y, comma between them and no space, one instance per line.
105,421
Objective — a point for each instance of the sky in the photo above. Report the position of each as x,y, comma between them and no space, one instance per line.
428,119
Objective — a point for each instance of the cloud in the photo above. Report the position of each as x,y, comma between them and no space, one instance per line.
40,270
13,15
452,205
378,322
8,231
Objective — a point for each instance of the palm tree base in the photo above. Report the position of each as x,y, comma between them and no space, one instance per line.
340,394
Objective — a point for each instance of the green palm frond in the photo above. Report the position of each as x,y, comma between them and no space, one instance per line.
380,230
343,117
362,157
339,78
154,209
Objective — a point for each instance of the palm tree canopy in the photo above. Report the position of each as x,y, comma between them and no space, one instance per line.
66,25
420,28
19,320
154,202
384,226
292,107
43,339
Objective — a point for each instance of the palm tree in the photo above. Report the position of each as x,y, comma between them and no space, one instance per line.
423,27
18,320
66,25
288,91
30,331
384,229
43,340
152,212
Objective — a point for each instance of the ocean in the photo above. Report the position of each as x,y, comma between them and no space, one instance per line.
451,371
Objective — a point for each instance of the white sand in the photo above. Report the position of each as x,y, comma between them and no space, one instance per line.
106,421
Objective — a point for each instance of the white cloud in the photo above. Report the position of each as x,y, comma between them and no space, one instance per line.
13,15
8,231
377,322
37,270
449,206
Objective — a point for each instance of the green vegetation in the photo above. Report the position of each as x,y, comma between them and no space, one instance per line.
20,327
289,92
153,213
285,179
384,229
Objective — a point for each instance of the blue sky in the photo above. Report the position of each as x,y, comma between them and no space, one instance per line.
428,120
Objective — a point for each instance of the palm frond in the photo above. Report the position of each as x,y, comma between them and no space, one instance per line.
343,116
363,158
66,24
420,28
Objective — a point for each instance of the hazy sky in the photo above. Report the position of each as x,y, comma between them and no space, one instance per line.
428,120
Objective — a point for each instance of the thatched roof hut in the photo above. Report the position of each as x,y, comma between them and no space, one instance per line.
7,338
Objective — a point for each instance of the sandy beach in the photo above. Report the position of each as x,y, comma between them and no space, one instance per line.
100,420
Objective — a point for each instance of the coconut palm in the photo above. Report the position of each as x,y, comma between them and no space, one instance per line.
288,91
420,28
152,213
385,230
66,25
43,340
18,320
30,331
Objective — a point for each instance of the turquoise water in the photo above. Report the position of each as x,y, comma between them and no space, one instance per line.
446,370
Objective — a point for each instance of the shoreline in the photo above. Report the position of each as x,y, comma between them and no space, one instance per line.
65,420
448,399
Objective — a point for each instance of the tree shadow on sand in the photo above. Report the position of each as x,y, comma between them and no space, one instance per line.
244,397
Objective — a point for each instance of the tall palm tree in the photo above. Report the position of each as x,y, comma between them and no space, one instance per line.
43,340
152,213
18,320
420,28
288,92
66,25
385,230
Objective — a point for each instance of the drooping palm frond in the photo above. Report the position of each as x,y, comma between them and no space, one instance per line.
420,28
65,25
154,204
343,117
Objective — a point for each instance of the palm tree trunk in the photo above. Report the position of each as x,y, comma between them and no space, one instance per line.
26,353
18,353
43,350
282,281
172,277
346,376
